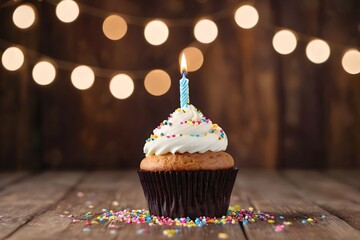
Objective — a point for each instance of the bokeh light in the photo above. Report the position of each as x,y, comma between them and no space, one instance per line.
67,11
284,42
82,77
156,32
121,86
194,58
12,58
246,16
24,16
317,51
205,31
157,82
351,61
114,27
44,73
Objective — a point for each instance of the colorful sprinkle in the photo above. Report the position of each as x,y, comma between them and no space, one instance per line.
279,228
80,194
201,119
141,231
114,220
86,229
234,215
170,232
223,235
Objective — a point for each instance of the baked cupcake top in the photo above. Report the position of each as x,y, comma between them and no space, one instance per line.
186,130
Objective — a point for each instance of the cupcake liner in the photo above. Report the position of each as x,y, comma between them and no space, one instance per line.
188,193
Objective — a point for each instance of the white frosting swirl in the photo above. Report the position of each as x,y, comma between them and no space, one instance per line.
186,130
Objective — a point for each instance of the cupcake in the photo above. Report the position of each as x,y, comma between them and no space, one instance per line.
186,171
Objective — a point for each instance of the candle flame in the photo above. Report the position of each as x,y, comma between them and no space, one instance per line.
183,67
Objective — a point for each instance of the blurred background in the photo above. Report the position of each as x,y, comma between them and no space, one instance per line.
280,77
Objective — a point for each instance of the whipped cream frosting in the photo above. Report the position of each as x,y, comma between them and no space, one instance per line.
186,130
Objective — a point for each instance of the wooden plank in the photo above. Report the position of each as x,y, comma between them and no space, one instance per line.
7,178
336,197
349,176
20,202
269,192
100,190
210,232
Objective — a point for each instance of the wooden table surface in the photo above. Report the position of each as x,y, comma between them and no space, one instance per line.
31,205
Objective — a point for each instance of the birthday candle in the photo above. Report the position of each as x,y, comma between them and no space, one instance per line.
184,84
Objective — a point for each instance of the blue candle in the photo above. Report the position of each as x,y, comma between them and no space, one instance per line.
184,91
184,85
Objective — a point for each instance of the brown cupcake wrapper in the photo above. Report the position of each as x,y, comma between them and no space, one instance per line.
188,193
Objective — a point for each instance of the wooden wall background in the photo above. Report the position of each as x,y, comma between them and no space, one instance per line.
278,111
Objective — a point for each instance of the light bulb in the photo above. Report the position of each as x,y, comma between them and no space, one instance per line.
114,27
157,82
317,51
205,31
44,73
246,16
351,61
156,32
12,58
67,11
121,86
284,42
24,16
82,77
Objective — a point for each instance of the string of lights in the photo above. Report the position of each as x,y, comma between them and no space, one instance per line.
156,31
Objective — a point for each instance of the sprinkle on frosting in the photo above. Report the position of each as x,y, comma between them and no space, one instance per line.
186,130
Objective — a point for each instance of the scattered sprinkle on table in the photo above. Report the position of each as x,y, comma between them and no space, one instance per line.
114,220
171,232
279,228
223,235
80,194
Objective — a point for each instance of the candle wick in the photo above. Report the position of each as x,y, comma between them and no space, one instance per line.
184,74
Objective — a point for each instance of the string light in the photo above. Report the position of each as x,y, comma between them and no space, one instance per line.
114,27
67,11
156,32
157,82
194,58
205,31
121,86
351,61
246,16
24,16
12,59
82,77
284,42
317,51
44,73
